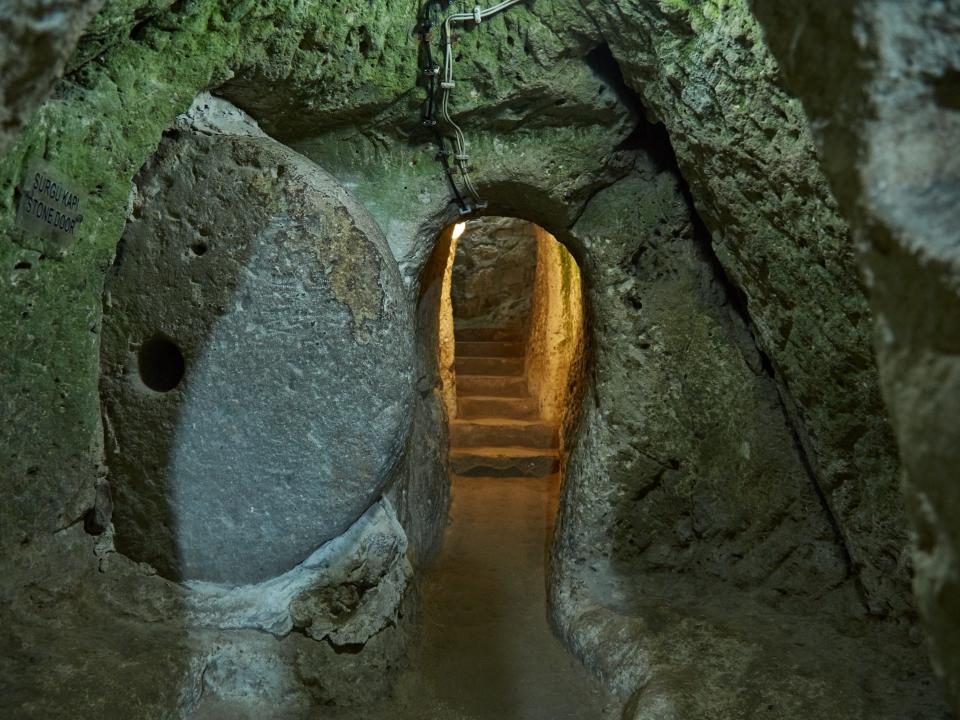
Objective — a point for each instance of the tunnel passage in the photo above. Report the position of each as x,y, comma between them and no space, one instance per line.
516,343
510,347
253,317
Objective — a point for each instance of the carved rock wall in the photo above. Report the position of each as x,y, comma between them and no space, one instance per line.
493,272
880,82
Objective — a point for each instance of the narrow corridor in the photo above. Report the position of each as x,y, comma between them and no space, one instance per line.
487,650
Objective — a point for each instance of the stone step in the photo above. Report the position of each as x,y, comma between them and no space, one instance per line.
504,462
500,432
551,478
491,385
513,408
488,334
489,366
476,348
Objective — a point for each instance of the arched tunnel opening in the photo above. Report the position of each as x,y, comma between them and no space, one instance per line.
510,353
544,359
515,334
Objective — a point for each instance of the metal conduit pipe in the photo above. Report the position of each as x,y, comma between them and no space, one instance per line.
447,84
431,73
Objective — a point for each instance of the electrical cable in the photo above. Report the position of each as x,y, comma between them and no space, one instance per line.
431,71
447,84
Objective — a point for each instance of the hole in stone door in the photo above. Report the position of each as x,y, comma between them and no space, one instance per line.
160,364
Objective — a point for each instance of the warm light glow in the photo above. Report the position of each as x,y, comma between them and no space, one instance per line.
458,230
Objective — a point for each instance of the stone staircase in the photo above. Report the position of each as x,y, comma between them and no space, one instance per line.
498,431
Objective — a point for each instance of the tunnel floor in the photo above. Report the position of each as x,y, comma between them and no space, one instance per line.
487,649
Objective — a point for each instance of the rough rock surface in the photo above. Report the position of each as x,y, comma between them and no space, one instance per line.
346,591
556,360
98,614
880,82
703,473
493,274
36,39
256,400
421,489
116,21
704,564
744,148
